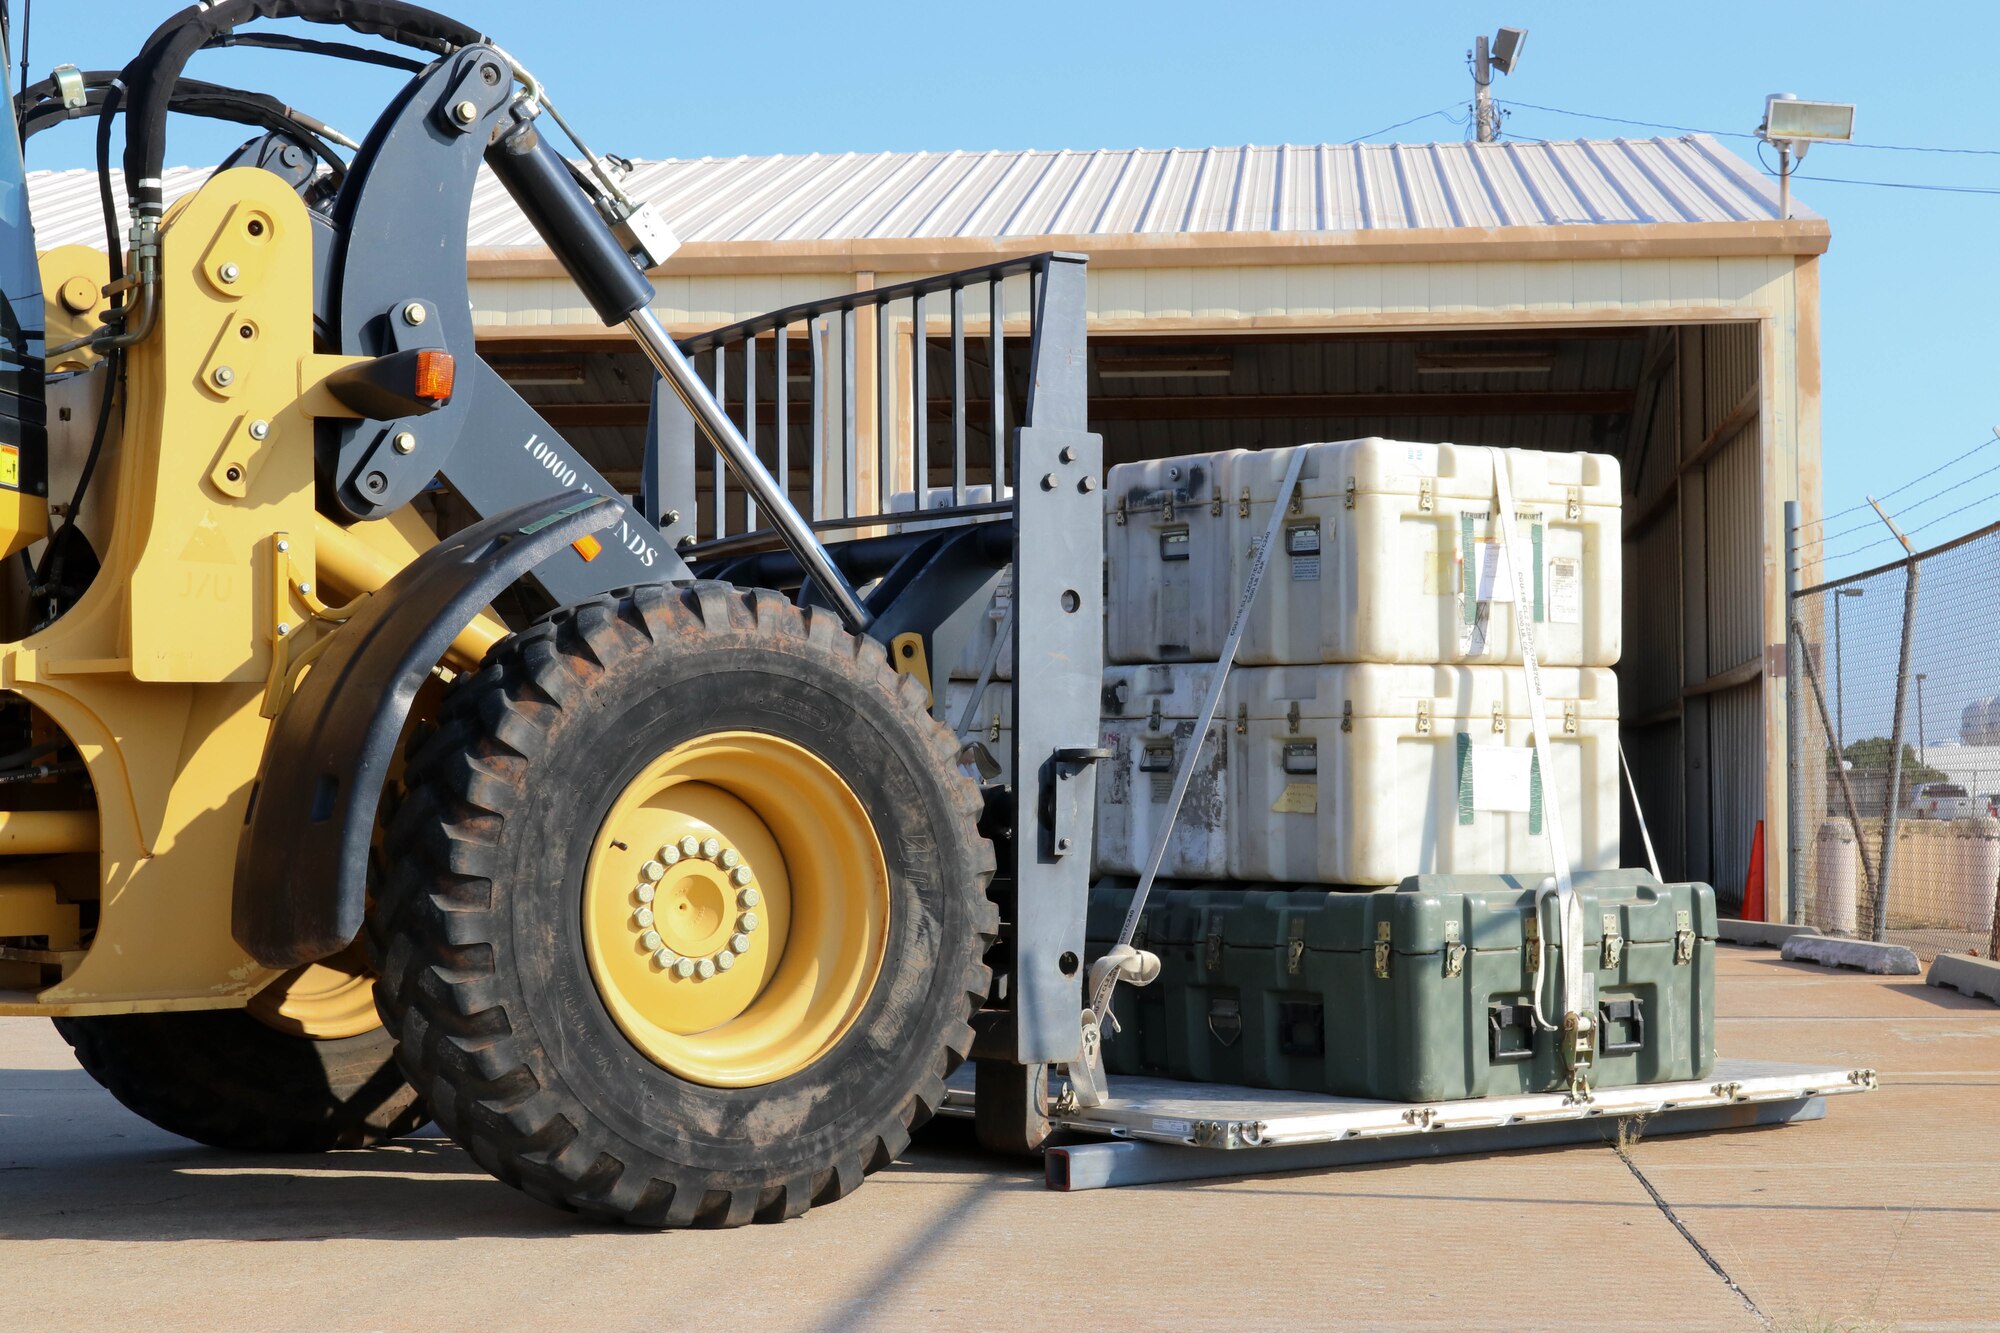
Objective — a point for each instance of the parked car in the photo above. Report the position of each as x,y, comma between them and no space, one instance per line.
1945,800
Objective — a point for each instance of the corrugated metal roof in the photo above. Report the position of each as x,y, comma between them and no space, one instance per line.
1121,192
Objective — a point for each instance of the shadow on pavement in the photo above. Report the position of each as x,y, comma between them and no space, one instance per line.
75,1166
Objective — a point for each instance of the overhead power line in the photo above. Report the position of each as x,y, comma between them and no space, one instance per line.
1740,134
1444,111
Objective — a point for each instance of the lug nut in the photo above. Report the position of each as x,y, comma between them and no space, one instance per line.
223,376
646,892
705,968
643,917
259,429
405,442
652,870
690,846
731,858
651,939
684,968
665,957
669,854
465,113
740,876
740,943
413,313
748,898
229,273
725,960
711,847
747,922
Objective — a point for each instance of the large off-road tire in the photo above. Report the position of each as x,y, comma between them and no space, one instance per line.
628,791
228,1079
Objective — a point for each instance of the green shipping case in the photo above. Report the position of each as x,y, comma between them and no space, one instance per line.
1418,993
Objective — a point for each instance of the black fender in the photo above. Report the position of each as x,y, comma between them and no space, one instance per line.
302,863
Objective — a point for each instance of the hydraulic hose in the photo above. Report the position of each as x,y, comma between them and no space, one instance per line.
150,77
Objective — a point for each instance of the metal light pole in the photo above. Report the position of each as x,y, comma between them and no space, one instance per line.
1482,91
1839,681
1501,54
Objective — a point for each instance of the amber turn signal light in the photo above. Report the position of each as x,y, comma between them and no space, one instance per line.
435,370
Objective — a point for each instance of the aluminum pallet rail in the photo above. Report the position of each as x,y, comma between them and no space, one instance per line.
1151,1130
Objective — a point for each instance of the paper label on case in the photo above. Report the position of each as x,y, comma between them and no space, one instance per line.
1493,580
1298,798
1502,777
1565,590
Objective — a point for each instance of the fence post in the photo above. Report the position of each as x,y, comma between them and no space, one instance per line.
1895,801
1794,840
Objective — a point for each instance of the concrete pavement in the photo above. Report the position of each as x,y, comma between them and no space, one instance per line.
1886,1215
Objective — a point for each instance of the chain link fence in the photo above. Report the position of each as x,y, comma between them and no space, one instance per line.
1895,751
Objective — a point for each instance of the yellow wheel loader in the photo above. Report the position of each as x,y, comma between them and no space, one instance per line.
368,759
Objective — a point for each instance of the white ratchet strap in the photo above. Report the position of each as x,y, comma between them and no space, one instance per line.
1569,912
1652,861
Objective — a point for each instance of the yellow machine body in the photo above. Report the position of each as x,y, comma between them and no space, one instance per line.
165,674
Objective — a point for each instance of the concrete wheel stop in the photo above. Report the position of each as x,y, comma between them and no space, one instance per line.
1882,960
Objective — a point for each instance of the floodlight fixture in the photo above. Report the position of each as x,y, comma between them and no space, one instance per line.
1793,125
1800,122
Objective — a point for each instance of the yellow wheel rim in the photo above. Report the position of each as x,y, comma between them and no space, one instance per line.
326,1000
736,909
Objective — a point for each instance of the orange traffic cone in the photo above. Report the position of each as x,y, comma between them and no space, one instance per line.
1753,879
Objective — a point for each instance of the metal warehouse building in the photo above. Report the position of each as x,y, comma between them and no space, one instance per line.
1634,297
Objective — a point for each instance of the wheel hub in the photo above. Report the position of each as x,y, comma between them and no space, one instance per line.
696,907
735,909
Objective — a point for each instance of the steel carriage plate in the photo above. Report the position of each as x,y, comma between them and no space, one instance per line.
1220,1116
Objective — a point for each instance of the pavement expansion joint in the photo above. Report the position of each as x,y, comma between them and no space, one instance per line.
1714,1264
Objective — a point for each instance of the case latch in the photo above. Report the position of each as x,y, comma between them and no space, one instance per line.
1573,506
1381,948
1347,715
1423,717
1454,950
1118,515
1212,956
1683,937
1292,718
1215,505
1295,946
1426,495
1614,945
1243,503
1532,941
1348,501
1569,717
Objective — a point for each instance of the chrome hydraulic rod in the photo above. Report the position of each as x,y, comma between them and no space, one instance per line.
765,489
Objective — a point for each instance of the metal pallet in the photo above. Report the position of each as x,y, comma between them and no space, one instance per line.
1155,1129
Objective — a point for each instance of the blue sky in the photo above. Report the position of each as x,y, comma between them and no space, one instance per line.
1910,343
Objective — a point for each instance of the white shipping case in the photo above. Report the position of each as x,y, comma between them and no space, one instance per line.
1389,552
1168,533
1392,552
1149,717
1365,774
